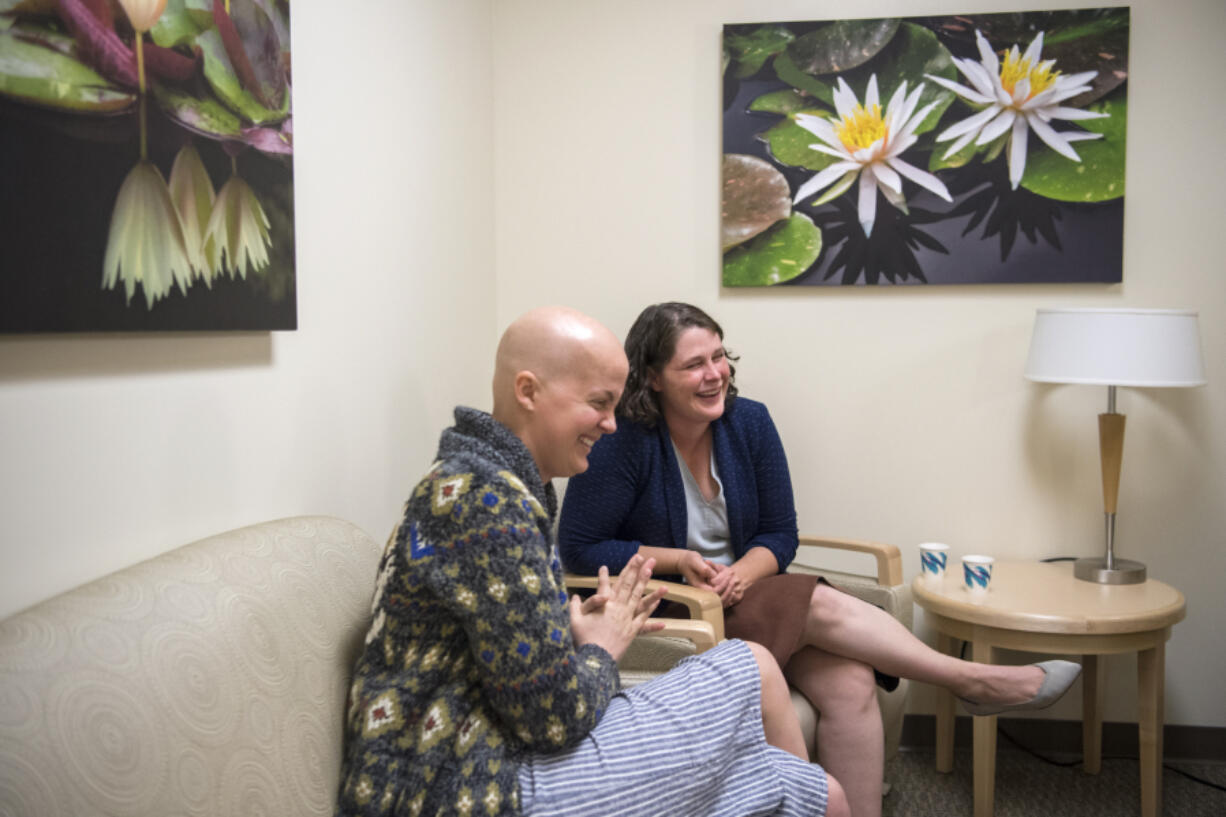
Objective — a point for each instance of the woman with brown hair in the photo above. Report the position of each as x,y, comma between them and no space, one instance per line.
696,478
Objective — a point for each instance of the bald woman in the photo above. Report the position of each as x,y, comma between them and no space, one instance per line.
483,689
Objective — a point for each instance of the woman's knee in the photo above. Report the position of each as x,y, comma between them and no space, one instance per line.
858,684
828,606
833,682
768,667
836,799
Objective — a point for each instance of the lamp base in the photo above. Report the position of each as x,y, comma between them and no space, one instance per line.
1122,571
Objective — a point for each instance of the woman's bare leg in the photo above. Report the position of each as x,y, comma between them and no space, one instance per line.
837,804
778,717
844,625
850,739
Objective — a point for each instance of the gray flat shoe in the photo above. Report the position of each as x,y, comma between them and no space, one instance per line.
1058,677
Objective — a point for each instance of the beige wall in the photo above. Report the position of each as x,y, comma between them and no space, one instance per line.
904,412
117,448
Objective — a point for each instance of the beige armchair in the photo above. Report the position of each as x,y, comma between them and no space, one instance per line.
652,655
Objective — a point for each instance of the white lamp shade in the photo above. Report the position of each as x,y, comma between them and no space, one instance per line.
1116,347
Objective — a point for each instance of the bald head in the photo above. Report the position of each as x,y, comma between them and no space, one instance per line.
551,342
553,364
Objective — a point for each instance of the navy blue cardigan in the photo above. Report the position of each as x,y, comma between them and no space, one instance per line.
632,493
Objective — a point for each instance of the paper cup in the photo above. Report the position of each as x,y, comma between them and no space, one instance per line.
933,558
977,572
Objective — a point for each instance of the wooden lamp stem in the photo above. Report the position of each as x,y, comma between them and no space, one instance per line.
1110,570
1111,448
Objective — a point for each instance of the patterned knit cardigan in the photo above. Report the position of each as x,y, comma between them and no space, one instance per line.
469,665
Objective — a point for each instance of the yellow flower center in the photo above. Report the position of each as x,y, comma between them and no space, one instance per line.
1018,68
861,128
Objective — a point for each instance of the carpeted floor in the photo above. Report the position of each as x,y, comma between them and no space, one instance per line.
1027,786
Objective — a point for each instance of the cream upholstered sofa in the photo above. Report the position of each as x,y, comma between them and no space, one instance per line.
210,680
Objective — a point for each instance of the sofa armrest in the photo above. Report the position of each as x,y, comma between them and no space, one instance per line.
889,559
703,605
699,633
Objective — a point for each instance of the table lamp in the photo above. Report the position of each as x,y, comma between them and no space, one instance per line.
1152,348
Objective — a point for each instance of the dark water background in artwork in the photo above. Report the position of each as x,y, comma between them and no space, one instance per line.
1090,236
59,176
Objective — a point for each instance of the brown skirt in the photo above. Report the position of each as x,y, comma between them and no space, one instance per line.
773,612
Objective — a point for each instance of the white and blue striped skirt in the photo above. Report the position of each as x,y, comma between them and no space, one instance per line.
688,743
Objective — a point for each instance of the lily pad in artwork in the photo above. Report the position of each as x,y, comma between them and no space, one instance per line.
756,195
777,255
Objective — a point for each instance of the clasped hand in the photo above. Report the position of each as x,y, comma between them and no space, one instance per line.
708,575
619,609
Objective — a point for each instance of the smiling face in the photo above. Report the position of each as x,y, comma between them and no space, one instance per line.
558,376
575,411
693,384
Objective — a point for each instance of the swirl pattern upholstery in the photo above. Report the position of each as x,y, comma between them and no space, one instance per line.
210,680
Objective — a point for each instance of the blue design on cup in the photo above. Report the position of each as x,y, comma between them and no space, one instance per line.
977,575
932,562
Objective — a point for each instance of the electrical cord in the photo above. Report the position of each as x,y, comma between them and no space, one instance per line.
1069,763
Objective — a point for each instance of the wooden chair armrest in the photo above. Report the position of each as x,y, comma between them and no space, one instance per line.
889,559
701,633
702,604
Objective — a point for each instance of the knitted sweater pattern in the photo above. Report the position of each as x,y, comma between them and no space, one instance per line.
468,667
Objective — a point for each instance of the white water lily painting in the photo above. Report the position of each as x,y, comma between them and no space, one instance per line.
146,159
965,149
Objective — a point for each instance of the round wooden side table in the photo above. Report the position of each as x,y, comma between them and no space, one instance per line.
1040,607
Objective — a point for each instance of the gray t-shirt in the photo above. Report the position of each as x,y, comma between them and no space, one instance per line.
706,522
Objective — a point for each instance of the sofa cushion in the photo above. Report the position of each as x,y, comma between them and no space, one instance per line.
208,680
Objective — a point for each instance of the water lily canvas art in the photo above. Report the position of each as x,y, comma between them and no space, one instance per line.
146,166
964,149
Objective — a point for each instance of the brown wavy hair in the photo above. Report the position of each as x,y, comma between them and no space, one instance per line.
650,344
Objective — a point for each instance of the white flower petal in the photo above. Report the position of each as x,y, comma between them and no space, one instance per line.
1021,91
844,99
912,102
1054,96
962,142
142,14
839,153
921,177
1079,136
972,124
895,111
1076,79
145,243
987,57
868,200
1034,49
1054,140
987,82
996,127
1017,151
1071,114
819,127
899,146
870,96
918,119
896,199
865,155
887,177
824,179
962,90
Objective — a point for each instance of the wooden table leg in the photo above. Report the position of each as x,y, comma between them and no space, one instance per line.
1151,689
945,714
1091,714
985,745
